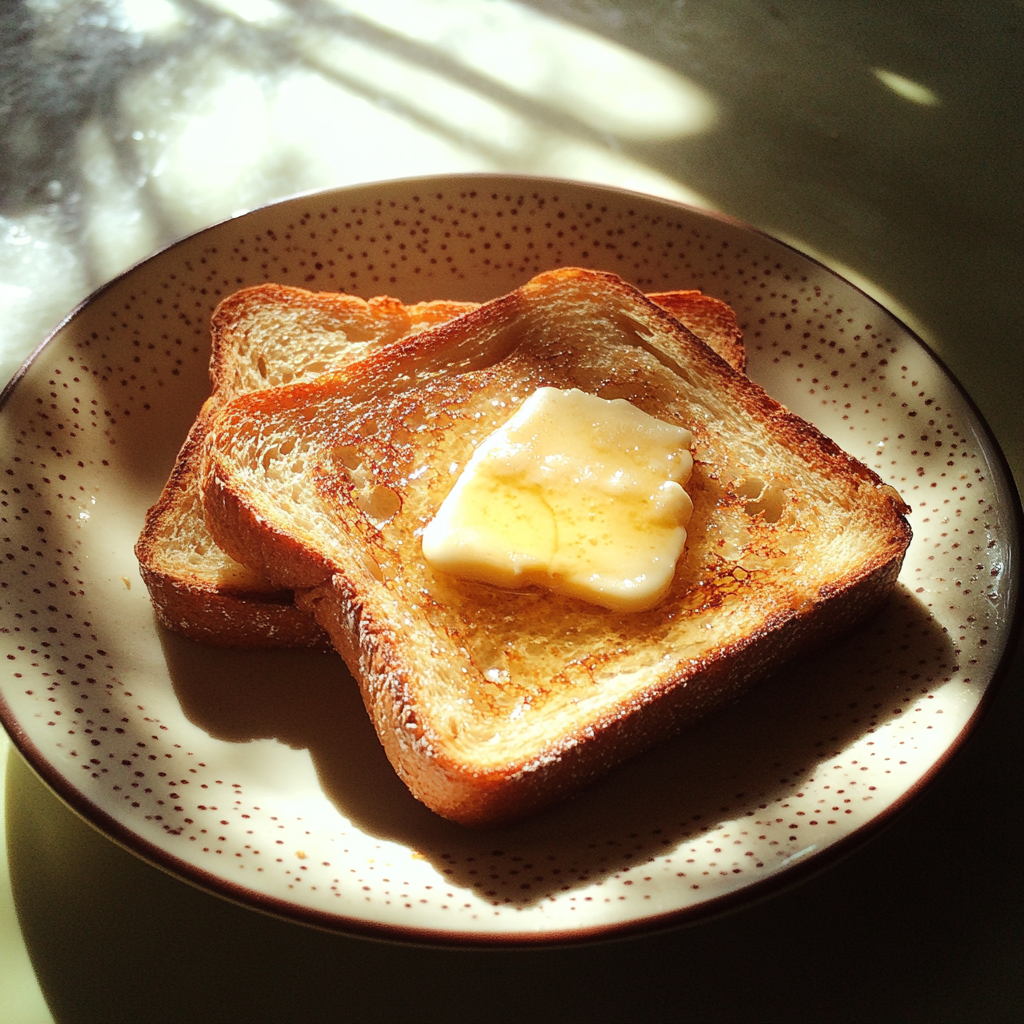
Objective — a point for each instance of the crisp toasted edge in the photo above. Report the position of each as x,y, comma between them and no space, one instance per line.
704,315
351,610
212,613
223,620
233,310
189,604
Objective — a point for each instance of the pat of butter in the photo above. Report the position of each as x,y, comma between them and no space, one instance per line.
575,493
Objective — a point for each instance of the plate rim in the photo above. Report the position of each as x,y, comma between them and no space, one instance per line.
756,890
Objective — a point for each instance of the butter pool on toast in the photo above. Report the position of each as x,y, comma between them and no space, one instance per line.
491,703
265,336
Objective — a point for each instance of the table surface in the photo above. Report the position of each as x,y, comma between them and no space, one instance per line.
884,139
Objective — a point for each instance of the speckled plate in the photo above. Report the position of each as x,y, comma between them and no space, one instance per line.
258,776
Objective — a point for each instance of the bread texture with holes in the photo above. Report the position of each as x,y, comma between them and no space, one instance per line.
493,703
269,335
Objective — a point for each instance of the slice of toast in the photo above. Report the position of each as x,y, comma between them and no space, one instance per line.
268,335
491,703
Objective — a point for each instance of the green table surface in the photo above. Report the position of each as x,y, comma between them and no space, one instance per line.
885,139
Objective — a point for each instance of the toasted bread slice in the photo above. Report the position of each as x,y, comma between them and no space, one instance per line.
491,703
269,335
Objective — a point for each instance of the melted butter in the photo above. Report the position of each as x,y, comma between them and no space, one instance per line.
574,493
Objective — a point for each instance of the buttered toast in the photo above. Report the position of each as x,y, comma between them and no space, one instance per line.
269,335
491,702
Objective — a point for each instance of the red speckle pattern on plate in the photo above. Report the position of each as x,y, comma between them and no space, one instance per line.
257,775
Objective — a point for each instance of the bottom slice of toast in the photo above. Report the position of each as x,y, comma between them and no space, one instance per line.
492,703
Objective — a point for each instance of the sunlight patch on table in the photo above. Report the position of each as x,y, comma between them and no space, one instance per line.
273,103
258,12
326,136
43,277
534,55
420,100
112,209
564,158
154,18
205,161
21,997
348,113
907,88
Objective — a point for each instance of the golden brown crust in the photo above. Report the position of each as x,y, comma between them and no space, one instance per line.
707,317
323,487
213,617
231,608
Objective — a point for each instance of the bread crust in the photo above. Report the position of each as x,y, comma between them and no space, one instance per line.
819,545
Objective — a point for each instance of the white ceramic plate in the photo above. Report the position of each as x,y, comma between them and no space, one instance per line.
258,775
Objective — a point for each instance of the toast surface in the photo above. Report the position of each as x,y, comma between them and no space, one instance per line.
492,703
270,335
